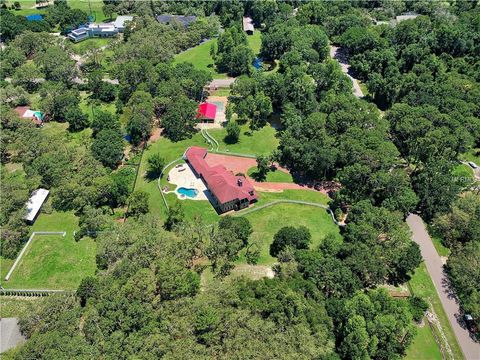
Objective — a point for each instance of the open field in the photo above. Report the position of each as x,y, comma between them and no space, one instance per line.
53,261
424,346
266,222
200,57
86,5
421,285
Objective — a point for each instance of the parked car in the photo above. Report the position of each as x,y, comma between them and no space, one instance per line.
470,323
472,165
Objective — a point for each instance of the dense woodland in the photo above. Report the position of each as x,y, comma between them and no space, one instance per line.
392,153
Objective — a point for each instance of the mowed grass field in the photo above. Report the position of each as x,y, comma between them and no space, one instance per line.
86,5
421,285
266,222
200,56
53,261
424,346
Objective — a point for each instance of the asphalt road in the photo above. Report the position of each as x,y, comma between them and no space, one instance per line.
470,348
10,335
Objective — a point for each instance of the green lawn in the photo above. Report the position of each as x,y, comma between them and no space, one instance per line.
255,42
93,43
96,8
266,222
273,175
86,5
259,142
53,261
421,285
437,242
424,346
200,57
462,170
473,155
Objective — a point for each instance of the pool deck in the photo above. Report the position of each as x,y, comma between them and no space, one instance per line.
186,178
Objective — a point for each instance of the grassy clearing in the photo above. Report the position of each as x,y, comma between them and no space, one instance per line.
89,44
91,7
259,142
273,175
266,222
200,56
462,170
53,261
472,155
422,285
201,59
221,92
13,307
255,42
424,346
441,249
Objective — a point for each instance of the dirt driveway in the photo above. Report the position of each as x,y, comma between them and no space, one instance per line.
237,164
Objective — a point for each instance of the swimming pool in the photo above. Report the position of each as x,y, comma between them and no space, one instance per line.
191,193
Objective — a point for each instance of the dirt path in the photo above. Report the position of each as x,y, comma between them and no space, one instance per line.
337,54
470,348
237,164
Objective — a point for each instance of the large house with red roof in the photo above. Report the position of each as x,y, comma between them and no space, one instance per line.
229,191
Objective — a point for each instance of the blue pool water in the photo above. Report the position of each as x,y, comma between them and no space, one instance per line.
191,193
257,63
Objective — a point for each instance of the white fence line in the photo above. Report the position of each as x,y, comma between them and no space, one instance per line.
19,257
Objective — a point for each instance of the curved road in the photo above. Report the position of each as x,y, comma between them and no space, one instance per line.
434,264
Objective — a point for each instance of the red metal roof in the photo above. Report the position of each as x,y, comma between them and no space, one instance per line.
207,111
224,185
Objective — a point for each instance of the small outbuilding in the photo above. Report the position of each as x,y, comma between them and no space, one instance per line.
34,204
248,25
34,115
207,112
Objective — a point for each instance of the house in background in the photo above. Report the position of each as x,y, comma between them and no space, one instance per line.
248,25
100,30
207,112
229,191
34,204
36,116
167,19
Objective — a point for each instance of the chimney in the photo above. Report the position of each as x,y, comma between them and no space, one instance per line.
239,182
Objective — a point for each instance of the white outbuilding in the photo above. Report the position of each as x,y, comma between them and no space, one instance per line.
35,203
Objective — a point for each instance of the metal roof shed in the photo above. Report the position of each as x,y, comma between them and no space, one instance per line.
35,203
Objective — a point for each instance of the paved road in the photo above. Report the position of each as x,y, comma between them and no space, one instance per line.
470,349
10,335
336,53
222,83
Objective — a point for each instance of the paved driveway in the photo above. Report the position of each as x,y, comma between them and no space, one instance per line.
337,54
470,348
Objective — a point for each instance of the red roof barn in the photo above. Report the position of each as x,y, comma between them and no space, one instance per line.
207,112
230,192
